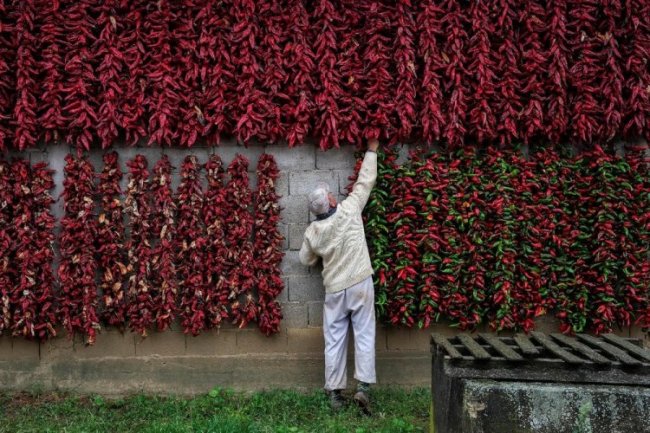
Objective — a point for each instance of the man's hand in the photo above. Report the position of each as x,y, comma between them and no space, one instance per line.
373,144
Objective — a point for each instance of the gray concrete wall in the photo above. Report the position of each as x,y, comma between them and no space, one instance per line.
171,362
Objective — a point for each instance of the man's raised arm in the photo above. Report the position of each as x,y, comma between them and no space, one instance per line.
367,177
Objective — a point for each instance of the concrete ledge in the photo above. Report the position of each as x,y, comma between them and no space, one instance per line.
188,375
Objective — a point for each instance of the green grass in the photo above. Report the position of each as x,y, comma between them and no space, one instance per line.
221,411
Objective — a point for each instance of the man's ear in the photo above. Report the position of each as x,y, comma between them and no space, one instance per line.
332,199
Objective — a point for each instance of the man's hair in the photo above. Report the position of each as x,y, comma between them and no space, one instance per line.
319,202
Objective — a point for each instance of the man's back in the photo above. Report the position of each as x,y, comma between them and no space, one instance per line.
340,239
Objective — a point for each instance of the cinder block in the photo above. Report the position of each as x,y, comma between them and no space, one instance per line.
296,158
161,343
213,342
644,337
303,182
344,180
308,340
24,349
306,288
408,339
335,158
291,264
5,347
296,235
56,158
315,313
547,324
295,315
284,295
294,209
381,337
56,348
228,150
253,341
282,184
109,343
284,231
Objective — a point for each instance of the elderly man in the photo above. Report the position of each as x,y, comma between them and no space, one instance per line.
337,236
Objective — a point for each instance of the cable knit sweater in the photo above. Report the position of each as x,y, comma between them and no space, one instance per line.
340,239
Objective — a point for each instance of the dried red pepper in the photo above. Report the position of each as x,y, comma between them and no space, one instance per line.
111,254
78,265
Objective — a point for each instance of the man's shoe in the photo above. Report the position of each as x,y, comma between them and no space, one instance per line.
336,400
361,398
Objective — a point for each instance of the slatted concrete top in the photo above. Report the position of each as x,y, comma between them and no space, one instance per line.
606,351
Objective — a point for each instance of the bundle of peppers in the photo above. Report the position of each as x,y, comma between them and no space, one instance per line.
190,246
493,237
32,299
163,263
239,270
267,246
78,288
7,274
110,243
215,213
138,208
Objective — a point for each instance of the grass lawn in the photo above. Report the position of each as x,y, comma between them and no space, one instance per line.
222,411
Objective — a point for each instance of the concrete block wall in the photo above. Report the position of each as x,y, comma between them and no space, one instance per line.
241,358
172,362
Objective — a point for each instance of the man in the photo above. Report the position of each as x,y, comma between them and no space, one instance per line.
337,236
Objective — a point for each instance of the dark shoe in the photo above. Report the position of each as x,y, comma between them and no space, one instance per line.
337,402
363,401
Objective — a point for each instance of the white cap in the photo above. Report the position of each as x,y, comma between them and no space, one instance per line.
319,202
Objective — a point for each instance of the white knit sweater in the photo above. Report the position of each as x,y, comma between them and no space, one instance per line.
339,239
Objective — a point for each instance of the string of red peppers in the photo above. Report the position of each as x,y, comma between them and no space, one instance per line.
240,278
138,209
78,288
267,246
191,244
500,239
7,273
215,212
111,255
32,299
163,227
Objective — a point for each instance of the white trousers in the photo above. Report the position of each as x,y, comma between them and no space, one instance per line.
354,305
